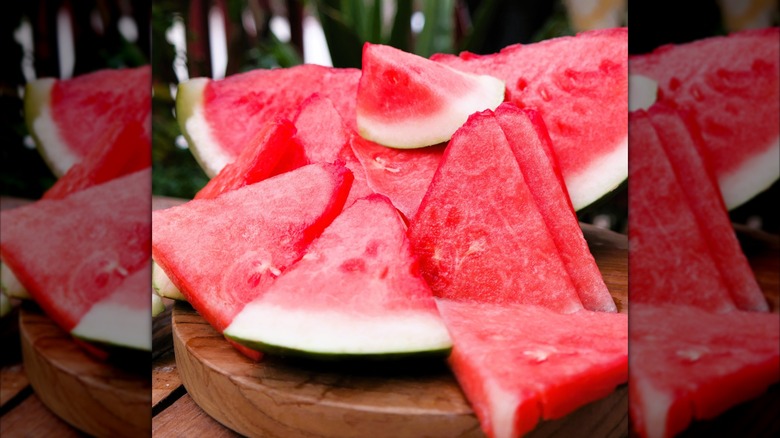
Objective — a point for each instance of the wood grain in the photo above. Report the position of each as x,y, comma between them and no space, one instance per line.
185,419
286,398
32,419
96,397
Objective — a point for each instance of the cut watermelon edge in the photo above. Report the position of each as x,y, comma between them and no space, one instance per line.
428,131
158,306
190,113
753,177
312,333
10,284
163,285
117,325
43,129
601,177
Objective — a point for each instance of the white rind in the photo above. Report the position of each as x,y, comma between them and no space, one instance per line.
642,92
115,324
163,285
157,305
602,176
5,305
52,147
208,152
336,332
753,176
424,130
10,285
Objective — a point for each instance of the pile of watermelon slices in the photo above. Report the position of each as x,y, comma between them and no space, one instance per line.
82,251
313,240
702,338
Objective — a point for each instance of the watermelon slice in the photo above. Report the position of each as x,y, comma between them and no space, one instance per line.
579,85
214,115
68,118
163,286
682,145
687,363
518,364
671,263
10,284
479,226
730,84
222,253
105,232
406,101
157,305
5,305
356,293
527,135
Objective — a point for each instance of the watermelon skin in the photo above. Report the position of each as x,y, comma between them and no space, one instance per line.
669,264
479,226
730,86
258,231
67,118
406,101
214,115
682,145
687,363
355,294
527,135
112,244
518,364
579,85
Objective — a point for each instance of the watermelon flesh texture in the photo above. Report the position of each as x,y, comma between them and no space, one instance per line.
682,145
68,118
105,232
730,85
518,364
579,85
258,231
479,226
687,363
406,101
356,293
213,115
669,260
531,145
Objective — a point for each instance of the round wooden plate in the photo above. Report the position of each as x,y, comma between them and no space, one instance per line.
284,398
96,397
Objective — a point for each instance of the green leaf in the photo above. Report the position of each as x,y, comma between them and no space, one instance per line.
344,44
483,22
374,34
400,35
437,33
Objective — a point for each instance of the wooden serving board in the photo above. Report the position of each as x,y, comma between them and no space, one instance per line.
96,397
287,398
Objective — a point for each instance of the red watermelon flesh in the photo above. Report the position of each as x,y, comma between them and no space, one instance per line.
531,145
126,149
579,85
221,253
85,107
731,86
682,146
261,158
327,139
255,97
403,175
669,258
73,252
480,235
356,292
687,363
518,364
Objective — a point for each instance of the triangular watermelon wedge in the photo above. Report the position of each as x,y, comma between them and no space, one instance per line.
406,101
527,135
687,363
222,253
355,294
214,115
104,230
730,84
683,147
68,118
479,233
518,364
579,85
